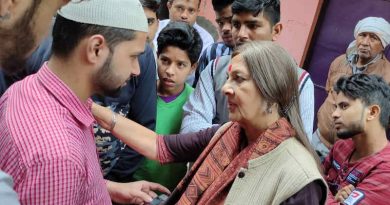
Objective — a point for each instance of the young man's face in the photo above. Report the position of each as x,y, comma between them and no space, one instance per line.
120,66
247,27
224,21
151,16
174,66
349,116
183,10
22,32
368,46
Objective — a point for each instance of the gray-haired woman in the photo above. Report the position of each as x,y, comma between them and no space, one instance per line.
261,157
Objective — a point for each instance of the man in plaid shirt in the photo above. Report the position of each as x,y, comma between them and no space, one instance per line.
357,168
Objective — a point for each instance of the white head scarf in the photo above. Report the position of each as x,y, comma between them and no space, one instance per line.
376,25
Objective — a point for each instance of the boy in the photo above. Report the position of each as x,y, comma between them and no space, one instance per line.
179,47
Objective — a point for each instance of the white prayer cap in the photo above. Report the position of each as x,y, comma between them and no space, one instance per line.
126,14
376,25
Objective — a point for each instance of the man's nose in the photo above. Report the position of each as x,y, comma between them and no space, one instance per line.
366,40
184,15
336,114
242,33
136,69
227,27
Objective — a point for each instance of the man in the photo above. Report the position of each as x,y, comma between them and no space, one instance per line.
150,8
32,65
50,152
186,11
357,168
23,25
223,13
252,20
16,26
136,101
364,55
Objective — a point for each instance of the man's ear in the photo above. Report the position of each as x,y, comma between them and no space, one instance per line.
194,66
276,31
96,49
373,112
169,5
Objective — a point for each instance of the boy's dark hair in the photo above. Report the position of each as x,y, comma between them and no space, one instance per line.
153,5
183,36
171,1
219,5
370,89
67,34
270,8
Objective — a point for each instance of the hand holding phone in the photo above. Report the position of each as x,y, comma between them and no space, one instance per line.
159,200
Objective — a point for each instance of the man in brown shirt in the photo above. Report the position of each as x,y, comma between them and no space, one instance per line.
364,55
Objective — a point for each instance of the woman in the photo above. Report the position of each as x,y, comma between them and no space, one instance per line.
261,157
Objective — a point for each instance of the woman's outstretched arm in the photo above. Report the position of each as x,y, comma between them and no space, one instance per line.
129,132
165,149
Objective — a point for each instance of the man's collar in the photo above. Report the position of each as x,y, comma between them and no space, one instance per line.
65,96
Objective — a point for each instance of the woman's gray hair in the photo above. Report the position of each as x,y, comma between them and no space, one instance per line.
275,74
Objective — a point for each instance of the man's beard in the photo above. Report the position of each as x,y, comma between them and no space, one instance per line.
104,78
17,42
353,130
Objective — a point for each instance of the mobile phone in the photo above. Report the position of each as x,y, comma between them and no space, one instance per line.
159,200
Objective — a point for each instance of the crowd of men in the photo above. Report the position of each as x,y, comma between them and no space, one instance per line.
107,52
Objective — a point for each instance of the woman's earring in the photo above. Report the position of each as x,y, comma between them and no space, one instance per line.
269,108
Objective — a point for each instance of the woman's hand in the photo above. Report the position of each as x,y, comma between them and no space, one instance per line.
141,139
140,192
102,115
